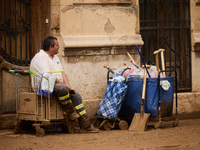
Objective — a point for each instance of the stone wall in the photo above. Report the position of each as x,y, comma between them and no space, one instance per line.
93,32
195,38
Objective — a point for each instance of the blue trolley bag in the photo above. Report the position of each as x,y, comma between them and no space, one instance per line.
112,100
152,97
132,101
167,98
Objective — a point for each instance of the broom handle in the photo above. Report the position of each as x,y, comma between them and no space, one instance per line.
142,60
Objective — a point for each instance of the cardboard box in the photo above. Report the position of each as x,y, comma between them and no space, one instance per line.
27,102
59,111
53,107
28,107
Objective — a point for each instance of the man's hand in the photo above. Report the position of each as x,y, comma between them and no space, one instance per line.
71,92
58,81
65,81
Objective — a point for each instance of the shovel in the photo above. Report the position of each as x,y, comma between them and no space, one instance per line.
139,121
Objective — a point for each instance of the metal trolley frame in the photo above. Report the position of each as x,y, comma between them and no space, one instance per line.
108,124
34,108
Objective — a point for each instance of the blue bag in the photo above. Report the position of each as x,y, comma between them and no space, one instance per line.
167,98
152,96
132,102
112,100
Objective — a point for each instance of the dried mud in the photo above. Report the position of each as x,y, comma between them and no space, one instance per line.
186,136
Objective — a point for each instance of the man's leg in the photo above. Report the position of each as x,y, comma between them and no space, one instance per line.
84,120
70,114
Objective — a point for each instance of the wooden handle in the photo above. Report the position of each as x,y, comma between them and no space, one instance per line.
130,57
148,66
156,52
157,58
144,84
157,62
125,64
145,79
132,61
105,66
162,61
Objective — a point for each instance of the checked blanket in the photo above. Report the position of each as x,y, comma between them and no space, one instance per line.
112,100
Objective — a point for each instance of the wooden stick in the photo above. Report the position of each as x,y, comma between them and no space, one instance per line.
157,59
162,61
132,61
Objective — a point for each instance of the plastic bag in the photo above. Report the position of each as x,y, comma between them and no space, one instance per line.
165,85
46,84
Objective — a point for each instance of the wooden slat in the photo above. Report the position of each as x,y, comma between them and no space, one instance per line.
40,11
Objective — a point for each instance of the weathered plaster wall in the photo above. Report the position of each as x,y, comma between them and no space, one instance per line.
91,31
97,20
195,37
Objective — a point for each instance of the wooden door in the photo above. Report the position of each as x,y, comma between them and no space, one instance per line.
22,28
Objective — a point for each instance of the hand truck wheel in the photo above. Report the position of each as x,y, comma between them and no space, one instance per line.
123,125
106,126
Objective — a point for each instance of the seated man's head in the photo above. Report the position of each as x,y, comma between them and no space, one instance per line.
51,45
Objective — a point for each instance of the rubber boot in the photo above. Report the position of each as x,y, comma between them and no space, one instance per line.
70,124
71,117
70,112
86,126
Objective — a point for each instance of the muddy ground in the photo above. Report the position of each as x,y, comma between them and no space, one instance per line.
186,136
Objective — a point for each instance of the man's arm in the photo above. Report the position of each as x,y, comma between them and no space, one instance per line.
65,80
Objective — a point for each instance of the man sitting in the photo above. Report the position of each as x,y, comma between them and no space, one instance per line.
46,61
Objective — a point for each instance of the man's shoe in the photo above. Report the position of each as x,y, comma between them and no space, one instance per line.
90,129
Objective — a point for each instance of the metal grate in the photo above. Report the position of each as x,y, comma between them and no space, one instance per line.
166,24
16,31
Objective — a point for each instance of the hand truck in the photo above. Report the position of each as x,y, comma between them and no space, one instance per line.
41,111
